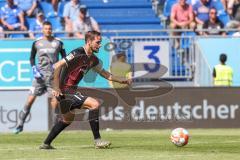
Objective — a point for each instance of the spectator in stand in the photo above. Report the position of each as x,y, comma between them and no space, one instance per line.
201,10
235,10
37,26
234,13
54,4
70,14
237,34
228,6
12,17
182,16
29,7
84,23
213,24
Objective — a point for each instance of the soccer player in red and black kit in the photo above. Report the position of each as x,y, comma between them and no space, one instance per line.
67,74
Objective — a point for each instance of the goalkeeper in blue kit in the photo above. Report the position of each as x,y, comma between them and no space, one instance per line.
46,49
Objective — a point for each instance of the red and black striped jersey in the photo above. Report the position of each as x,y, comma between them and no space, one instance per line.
78,63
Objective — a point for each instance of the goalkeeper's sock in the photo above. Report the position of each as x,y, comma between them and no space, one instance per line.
57,128
94,123
25,112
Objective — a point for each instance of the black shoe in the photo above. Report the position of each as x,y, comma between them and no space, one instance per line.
18,129
46,146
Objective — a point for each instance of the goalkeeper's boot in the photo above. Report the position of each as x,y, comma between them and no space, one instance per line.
46,146
101,144
18,129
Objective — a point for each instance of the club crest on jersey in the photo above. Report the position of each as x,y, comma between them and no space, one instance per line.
40,44
70,57
54,44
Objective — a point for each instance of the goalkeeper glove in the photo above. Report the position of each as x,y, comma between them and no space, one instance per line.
36,73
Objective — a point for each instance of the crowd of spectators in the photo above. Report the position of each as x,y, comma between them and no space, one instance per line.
28,16
195,15
15,15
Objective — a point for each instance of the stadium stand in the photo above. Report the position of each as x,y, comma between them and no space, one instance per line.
123,14
167,7
2,3
47,9
57,26
61,5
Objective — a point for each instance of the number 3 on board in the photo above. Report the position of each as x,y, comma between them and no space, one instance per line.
152,56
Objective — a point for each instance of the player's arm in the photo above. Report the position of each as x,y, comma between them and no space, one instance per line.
107,75
56,74
36,72
33,54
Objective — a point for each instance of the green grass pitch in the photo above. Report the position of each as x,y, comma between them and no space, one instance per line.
204,144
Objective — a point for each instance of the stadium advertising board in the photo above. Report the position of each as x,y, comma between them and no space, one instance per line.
11,103
15,70
180,107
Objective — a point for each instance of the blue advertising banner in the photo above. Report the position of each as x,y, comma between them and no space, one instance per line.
16,72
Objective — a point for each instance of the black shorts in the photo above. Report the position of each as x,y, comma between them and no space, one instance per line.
70,101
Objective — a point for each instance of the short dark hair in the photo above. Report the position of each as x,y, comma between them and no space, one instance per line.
83,9
223,58
47,23
213,8
90,35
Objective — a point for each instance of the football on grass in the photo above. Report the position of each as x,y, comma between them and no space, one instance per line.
179,137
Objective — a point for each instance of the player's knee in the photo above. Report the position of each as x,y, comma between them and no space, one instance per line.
95,105
67,120
54,103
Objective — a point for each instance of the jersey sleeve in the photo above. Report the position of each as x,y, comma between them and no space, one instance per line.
98,67
69,58
62,50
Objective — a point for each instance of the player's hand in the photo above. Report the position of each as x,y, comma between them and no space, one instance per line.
57,93
127,81
36,73
10,27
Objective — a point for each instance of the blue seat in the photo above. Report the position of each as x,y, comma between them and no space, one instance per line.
117,3
2,3
16,35
122,12
168,7
30,21
47,9
224,18
130,20
61,6
131,26
57,26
